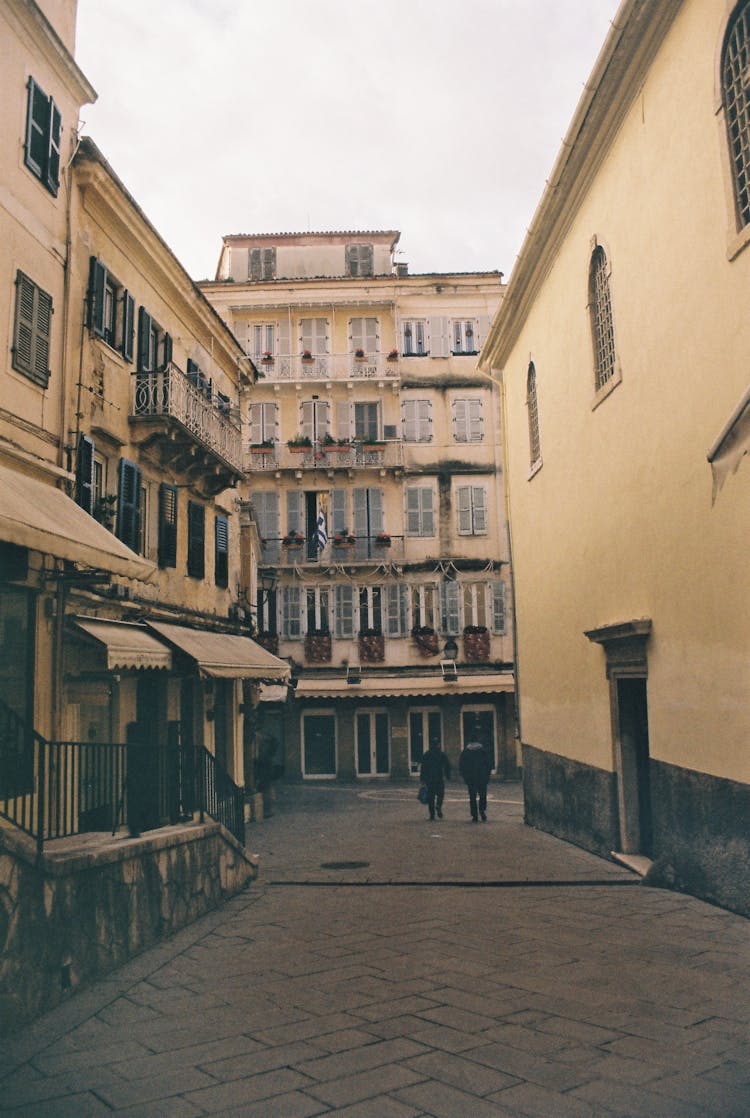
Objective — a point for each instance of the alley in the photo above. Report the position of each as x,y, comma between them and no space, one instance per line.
387,967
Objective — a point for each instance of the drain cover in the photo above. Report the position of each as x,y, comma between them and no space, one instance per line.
343,865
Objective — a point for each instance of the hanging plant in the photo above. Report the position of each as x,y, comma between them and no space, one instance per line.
426,640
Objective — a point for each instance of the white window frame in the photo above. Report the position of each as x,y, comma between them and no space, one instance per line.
364,334
263,422
424,605
464,334
471,510
419,513
468,419
262,339
317,609
474,601
414,338
370,608
314,336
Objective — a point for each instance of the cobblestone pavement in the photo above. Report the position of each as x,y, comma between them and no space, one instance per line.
387,967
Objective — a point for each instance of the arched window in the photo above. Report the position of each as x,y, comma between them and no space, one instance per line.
600,309
735,89
535,448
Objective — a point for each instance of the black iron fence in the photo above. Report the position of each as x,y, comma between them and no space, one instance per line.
55,789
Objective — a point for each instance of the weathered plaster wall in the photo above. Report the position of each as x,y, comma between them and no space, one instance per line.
75,917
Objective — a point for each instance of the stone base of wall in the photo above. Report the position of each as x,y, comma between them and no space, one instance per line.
701,836
94,902
573,801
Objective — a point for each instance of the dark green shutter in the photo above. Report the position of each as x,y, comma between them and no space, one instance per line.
85,474
221,551
31,330
144,341
37,124
97,283
167,352
129,505
196,557
53,148
128,325
168,525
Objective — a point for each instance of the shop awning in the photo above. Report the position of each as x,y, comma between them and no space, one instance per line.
223,655
393,686
34,514
126,645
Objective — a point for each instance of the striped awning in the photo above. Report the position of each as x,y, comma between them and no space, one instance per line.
390,686
126,645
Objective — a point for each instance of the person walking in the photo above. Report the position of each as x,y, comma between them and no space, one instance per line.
474,766
434,771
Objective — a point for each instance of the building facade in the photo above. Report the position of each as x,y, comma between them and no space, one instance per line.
373,469
623,347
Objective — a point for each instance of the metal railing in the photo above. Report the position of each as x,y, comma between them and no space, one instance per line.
207,418
327,366
342,549
57,789
325,456
218,795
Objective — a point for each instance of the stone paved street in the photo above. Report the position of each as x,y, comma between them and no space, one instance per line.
387,967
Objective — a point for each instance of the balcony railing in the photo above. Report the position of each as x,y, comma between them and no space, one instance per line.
328,366
207,418
326,456
56,789
287,552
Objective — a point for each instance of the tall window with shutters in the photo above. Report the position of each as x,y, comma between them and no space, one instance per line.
291,612
111,310
364,335
265,506
262,339
417,421
532,408
31,331
128,526
735,88
367,421
315,419
368,517
396,610
313,336
343,611
497,590
468,420
263,423
154,344
414,338
168,507
420,510
221,551
261,264
43,130
196,553
85,474
472,510
370,609
450,611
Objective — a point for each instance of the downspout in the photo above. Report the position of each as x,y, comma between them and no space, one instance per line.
506,492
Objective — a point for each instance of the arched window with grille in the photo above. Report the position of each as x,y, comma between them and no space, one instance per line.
532,406
735,92
602,326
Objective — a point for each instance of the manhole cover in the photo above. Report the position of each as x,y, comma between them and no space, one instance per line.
343,865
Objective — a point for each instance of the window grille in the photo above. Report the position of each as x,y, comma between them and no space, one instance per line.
535,450
735,77
602,327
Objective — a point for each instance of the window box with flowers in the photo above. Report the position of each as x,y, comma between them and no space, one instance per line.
476,643
360,354
266,358
393,355
426,640
293,541
300,443
371,646
262,448
318,646
269,641
307,355
343,540
382,540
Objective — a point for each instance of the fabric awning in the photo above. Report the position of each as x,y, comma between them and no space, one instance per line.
223,655
393,686
127,645
34,514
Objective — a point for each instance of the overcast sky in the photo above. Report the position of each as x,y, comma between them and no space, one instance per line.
440,119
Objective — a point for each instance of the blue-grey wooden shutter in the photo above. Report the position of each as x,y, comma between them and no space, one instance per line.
343,612
338,511
221,551
85,474
168,506
37,125
144,341
295,511
129,505
449,608
498,607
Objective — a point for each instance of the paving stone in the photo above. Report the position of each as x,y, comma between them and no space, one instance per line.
537,1102
254,1063
636,1101
466,1075
361,1059
382,1106
157,1087
443,1101
293,1104
726,1100
72,1106
342,1041
220,1099
365,1085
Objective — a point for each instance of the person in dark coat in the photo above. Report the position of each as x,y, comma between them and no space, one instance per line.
474,766
434,771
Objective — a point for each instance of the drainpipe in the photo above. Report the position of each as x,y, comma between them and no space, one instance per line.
506,491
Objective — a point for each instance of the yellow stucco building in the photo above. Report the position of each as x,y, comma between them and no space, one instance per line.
374,475
623,348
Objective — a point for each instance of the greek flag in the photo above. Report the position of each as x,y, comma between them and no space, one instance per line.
321,535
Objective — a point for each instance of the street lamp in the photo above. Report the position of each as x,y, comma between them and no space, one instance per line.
451,649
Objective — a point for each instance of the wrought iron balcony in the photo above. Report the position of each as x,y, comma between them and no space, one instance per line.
321,455
342,549
328,366
168,400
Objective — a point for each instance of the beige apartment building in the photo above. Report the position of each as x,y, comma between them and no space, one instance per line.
124,559
373,464
623,347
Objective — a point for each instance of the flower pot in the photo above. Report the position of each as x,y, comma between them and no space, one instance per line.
318,648
426,641
371,648
477,645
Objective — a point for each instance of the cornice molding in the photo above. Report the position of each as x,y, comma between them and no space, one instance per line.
54,51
